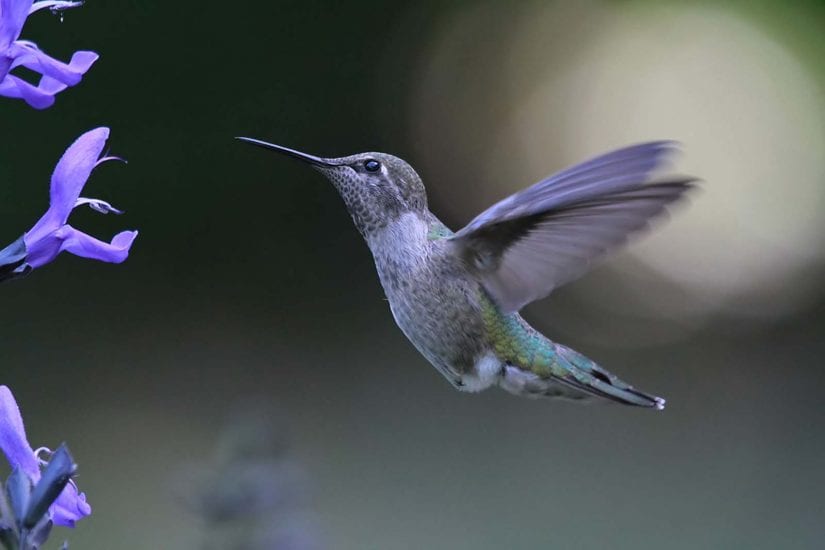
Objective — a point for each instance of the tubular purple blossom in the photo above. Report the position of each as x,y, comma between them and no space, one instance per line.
56,76
51,234
71,505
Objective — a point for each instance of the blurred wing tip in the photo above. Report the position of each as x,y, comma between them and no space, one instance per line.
671,143
662,145
666,152
684,183
667,144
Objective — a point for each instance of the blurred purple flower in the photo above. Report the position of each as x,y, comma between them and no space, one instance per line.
56,76
51,234
70,506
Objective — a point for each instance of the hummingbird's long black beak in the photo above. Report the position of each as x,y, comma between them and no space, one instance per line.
312,159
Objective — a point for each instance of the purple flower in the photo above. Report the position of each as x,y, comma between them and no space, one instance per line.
51,234
56,76
70,506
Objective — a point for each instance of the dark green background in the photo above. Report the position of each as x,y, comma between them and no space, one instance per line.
248,281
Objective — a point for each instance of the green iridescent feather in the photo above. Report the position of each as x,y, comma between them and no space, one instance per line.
439,231
519,344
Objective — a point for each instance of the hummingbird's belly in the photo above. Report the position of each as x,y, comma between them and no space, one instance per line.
445,326
434,301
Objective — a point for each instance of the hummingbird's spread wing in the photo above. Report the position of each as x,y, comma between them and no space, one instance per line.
548,234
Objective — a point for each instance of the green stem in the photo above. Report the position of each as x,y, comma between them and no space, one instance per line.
7,518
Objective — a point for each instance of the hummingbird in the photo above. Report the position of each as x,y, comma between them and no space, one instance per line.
456,295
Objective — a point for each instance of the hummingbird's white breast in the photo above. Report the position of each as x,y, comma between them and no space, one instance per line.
433,301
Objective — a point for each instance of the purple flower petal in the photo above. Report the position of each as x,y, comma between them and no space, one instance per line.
74,168
54,5
50,86
68,179
17,88
56,75
31,57
69,239
43,249
13,14
70,506
81,244
51,235
5,66
13,436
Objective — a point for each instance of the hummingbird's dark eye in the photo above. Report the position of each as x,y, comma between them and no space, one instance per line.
372,165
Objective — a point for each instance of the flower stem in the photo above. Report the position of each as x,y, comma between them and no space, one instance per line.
7,519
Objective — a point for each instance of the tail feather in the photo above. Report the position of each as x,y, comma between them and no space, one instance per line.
586,376
574,376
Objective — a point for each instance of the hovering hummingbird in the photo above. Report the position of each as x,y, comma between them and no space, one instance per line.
456,295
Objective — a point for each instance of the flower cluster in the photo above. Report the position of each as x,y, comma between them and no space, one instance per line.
51,234
38,493
55,75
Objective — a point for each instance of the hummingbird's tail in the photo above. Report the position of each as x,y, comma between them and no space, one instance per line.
588,377
574,376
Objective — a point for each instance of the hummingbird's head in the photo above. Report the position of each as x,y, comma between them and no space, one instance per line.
376,187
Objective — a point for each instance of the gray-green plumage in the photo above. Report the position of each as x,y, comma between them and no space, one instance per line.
456,296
